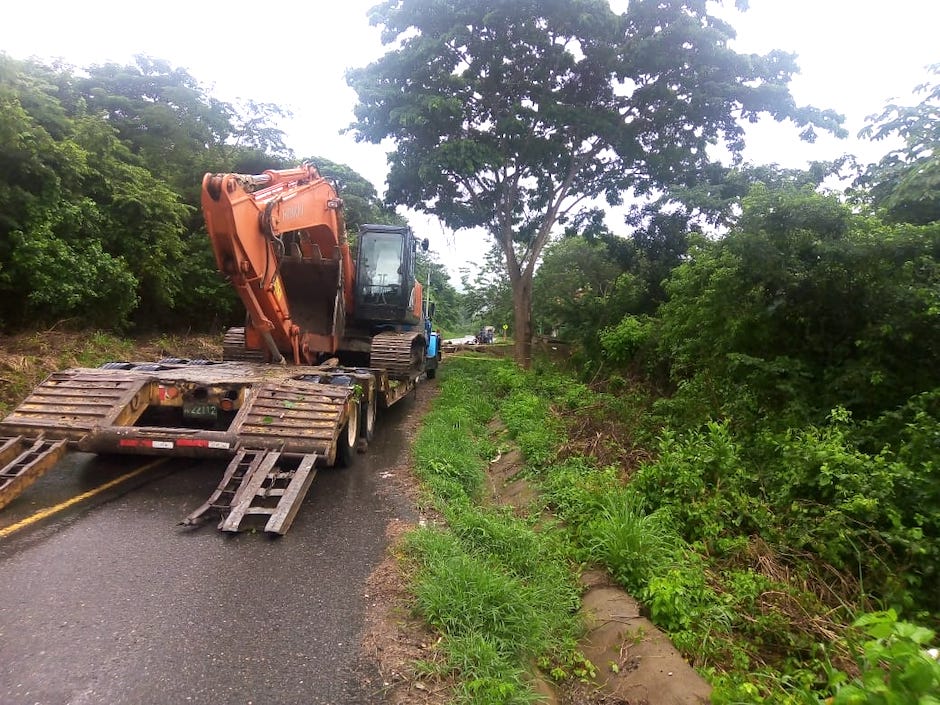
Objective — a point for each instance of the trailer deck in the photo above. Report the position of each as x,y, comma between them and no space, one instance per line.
275,423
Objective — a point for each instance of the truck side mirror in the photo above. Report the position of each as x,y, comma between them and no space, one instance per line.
425,243
431,308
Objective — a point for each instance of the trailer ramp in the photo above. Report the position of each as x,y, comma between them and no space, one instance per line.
259,483
69,404
23,461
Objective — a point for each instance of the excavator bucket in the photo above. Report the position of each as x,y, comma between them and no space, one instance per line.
315,292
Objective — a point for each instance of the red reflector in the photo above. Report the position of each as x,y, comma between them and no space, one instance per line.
191,443
134,443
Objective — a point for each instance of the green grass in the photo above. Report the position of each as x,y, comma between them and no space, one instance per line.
501,594
632,544
688,532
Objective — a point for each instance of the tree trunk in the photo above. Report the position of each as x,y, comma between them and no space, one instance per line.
522,319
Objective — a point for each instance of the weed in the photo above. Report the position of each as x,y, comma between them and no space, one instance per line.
632,544
896,666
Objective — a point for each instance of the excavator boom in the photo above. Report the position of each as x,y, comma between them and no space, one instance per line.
280,239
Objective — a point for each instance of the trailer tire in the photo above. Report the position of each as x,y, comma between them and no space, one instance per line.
367,420
346,442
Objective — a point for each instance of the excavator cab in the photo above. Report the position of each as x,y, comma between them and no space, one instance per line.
386,291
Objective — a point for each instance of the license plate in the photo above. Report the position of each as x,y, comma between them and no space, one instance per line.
200,411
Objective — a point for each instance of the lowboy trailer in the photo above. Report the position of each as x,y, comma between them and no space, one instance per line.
276,424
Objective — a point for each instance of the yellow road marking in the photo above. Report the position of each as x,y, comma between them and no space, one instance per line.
49,511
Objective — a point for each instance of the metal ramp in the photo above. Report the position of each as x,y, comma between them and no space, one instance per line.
253,485
293,416
21,466
69,404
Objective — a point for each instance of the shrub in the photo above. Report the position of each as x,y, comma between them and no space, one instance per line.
896,667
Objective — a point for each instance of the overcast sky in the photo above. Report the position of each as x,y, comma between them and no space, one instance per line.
855,55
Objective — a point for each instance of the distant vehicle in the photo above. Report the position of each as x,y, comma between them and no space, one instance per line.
464,340
486,335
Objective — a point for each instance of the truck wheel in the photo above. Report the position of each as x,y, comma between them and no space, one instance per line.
346,443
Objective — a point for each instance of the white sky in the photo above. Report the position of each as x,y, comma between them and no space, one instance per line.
855,55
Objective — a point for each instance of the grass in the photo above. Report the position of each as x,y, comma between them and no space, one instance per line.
632,544
501,594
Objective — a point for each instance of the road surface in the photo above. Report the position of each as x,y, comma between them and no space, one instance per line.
108,600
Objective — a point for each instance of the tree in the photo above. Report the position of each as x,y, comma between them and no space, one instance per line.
577,290
361,202
487,297
450,313
906,182
53,262
512,115
99,192
805,306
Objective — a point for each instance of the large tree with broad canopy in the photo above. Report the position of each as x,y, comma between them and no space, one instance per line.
515,116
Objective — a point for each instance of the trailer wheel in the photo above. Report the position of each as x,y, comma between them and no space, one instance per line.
346,443
367,420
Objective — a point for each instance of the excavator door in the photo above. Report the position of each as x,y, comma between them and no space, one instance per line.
386,290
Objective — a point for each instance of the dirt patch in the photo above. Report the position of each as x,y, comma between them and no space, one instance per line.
506,487
636,663
393,639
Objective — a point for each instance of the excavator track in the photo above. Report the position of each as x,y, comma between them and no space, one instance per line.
401,354
234,350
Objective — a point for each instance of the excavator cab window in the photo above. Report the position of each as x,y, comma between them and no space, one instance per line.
385,272
382,257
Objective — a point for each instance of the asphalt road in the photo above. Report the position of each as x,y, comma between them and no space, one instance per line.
110,601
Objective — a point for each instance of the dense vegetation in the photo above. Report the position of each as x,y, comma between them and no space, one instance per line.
764,567
100,175
751,439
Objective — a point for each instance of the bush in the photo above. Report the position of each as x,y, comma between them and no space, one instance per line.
621,343
895,665
704,484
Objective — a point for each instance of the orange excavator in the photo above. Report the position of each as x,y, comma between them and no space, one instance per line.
280,239
357,336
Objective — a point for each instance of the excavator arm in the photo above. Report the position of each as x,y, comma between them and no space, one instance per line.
280,238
